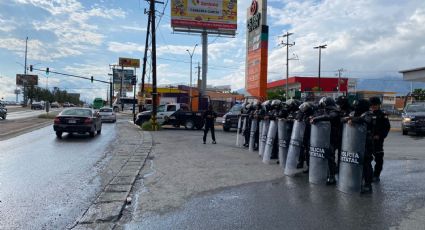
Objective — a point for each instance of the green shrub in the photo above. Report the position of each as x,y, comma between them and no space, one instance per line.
147,126
50,115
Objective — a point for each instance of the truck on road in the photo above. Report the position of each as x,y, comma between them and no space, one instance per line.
175,114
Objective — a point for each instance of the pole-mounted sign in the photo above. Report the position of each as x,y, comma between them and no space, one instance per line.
129,62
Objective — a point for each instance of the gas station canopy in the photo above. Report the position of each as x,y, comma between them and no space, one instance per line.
417,74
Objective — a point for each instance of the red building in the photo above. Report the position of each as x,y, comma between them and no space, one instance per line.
306,84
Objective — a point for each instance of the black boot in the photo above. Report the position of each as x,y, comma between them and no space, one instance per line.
367,189
331,180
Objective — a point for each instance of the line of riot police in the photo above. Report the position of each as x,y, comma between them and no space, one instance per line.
322,139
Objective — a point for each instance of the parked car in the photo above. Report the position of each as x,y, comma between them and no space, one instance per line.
413,118
54,105
77,120
37,105
230,119
3,112
107,114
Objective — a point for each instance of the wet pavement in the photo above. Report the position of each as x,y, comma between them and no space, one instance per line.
46,182
205,199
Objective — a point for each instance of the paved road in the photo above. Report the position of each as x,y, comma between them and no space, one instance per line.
46,183
194,186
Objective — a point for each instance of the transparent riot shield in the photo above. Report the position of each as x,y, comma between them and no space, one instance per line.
284,129
254,127
295,147
352,158
271,135
320,150
263,139
260,131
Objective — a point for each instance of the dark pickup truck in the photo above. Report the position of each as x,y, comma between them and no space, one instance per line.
413,118
175,114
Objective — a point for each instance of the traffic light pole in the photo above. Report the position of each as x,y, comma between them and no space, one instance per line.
76,76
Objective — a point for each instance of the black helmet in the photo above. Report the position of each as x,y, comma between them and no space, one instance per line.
361,106
266,105
257,105
375,101
326,102
276,103
342,102
292,104
305,107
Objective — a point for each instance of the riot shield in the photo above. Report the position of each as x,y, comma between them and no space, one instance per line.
271,135
295,147
352,158
260,131
284,129
320,150
252,134
263,139
244,121
237,131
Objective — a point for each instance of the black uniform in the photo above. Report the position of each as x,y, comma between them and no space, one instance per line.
331,114
209,117
381,127
258,115
246,132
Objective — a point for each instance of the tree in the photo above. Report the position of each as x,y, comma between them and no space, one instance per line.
279,94
419,94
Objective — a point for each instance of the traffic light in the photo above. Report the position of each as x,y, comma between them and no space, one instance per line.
91,79
30,68
133,80
47,71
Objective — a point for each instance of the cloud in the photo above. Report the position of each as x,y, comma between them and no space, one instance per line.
7,25
126,47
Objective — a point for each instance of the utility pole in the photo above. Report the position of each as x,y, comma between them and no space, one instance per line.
339,79
25,71
145,56
320,54
154,90
190,83
199,77
287,59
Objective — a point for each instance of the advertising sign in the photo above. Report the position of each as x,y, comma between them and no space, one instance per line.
22,79
126,75
129,62
257,49
204,14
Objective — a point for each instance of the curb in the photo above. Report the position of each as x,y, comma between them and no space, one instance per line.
107,208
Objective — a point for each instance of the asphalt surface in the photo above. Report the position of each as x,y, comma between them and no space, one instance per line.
46,183
193,186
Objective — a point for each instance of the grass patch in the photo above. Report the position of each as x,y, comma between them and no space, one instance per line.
147,126
50,115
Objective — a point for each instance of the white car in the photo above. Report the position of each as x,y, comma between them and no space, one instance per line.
107,114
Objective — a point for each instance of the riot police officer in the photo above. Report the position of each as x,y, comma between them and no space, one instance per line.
361,114
247,124
344,109
305,113
257,115
328,112
381,127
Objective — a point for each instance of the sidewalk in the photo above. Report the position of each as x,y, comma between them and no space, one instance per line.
129,154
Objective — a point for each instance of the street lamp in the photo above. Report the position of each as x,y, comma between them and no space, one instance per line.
320,54
190,84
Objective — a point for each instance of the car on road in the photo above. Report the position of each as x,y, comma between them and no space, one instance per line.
230,119
37,105
77,120
107,114
413,118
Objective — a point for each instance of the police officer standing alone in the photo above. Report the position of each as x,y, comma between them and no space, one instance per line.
381,127
209,118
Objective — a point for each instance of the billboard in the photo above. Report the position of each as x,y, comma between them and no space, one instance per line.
204,14
256,49
129,62
126,75
22,79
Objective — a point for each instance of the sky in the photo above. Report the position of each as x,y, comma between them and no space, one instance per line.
369,39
